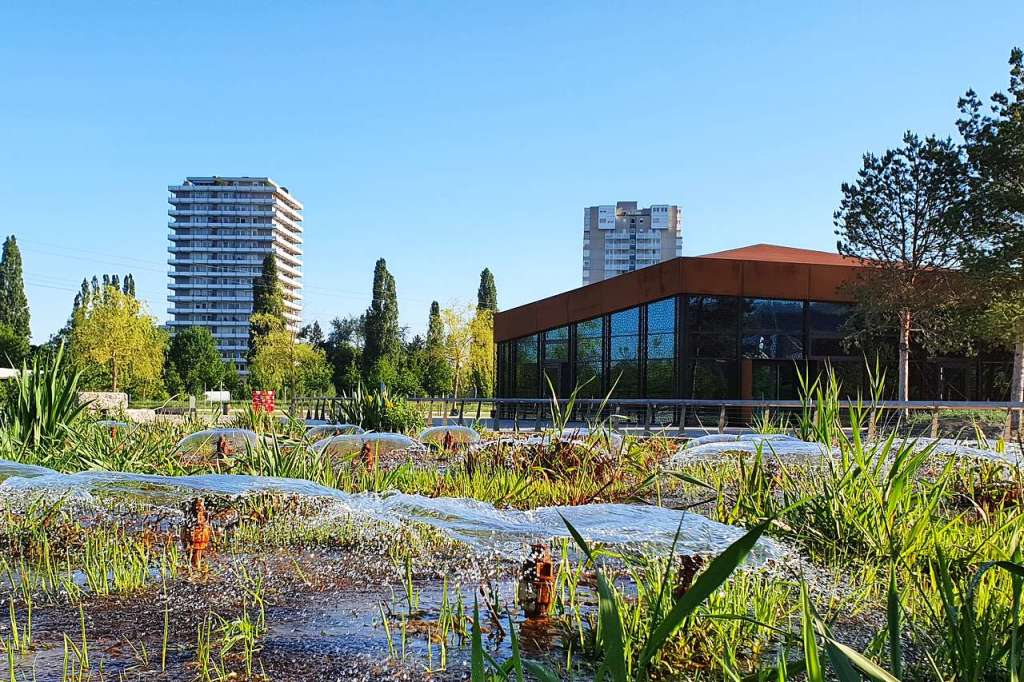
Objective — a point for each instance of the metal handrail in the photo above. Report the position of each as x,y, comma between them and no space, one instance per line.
662,413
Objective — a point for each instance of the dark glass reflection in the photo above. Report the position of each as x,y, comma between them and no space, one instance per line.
772,329
589,357
624,352
526,374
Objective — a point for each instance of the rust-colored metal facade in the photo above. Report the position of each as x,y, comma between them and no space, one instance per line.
744,320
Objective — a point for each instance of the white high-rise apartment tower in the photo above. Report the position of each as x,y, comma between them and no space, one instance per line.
220,231
622,238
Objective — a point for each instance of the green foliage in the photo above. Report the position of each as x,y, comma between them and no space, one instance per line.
487,292
482,353
267,303
13,302
14,348
902,215
291,368
193,362
381,331
43,403
435,370
116,341
379,410
993,224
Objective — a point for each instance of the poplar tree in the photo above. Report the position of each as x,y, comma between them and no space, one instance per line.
437,371
267,304
383,335
13,302
487,293
435,328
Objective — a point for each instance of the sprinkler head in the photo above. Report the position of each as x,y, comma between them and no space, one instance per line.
197,532
536,584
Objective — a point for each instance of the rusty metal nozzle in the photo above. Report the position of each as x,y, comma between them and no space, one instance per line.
197,532
537,583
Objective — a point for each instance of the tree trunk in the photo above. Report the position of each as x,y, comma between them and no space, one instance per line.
1017,384
903,387
113,374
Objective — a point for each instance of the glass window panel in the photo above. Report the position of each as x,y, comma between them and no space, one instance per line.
624,347
772,346
556,345
773,328
526,374
625,374
661,316
712,345
660,378
626,322
590,341
711,314
588,378
712,379
661,346
828,317
826,328
560,334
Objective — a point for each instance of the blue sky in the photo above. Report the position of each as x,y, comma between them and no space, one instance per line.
449,137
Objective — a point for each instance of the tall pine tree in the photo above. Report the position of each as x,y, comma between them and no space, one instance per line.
383,335
487,293
13,302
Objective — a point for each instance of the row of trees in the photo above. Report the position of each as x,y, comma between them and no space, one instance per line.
942,224
456,356
117,344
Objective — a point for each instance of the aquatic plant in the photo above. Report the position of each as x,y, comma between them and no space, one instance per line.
43,402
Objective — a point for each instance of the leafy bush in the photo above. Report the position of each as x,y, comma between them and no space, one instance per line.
379,410
42,402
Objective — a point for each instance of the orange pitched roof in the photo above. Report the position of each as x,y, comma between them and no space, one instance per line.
784,254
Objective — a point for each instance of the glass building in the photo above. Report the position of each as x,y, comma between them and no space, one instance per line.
736,324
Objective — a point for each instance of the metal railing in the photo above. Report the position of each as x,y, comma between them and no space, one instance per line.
674,417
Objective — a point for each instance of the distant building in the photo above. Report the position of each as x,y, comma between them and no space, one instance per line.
220,231
623,238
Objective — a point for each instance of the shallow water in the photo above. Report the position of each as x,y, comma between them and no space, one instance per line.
478,524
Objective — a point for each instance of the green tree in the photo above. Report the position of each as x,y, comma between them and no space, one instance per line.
900,218
382,332
487,292
482,353
343,348
994,219
435,371
13,302
14,348
193,358
283,364
313,335
116,335
458,342
267,302
129,285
